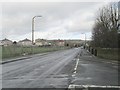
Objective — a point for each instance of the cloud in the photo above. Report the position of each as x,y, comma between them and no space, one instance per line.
59,19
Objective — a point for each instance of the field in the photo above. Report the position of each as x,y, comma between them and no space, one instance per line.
108,53
15,51
0,53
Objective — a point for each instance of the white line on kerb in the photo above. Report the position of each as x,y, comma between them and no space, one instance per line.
92,86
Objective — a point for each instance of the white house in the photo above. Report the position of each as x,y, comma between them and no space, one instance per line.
59,42
6,42
41,42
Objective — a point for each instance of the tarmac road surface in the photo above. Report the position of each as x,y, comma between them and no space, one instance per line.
60,69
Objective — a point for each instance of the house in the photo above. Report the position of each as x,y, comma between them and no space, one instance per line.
51,42
56,42
25,42
59,42
41,42
1,43
6,42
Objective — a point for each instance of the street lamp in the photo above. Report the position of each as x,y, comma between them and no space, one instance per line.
85,38
33,28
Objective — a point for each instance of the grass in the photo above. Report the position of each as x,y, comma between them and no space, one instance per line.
108,53
0,53
15,51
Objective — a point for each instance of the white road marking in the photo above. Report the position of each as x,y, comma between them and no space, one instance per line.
74,72
76,64
116,67
75,69
72,86
73,75
110,63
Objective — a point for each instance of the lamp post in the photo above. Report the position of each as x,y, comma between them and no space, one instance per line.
85,37
33,28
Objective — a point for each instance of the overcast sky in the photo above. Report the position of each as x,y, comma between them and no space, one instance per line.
60,20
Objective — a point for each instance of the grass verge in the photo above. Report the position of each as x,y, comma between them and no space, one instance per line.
15,51
108,53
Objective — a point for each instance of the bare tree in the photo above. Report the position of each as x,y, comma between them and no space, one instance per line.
106,27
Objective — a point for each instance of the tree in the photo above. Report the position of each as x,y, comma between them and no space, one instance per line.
106,27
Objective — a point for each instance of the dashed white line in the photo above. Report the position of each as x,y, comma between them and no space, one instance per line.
76,64
73,75
75,69
74,72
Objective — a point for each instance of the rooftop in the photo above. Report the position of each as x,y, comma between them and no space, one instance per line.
25,40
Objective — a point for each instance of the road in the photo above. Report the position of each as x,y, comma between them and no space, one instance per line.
60,69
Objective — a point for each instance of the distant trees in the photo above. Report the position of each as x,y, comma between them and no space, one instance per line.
105,30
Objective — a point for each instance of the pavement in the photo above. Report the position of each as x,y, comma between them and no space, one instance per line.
61,69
